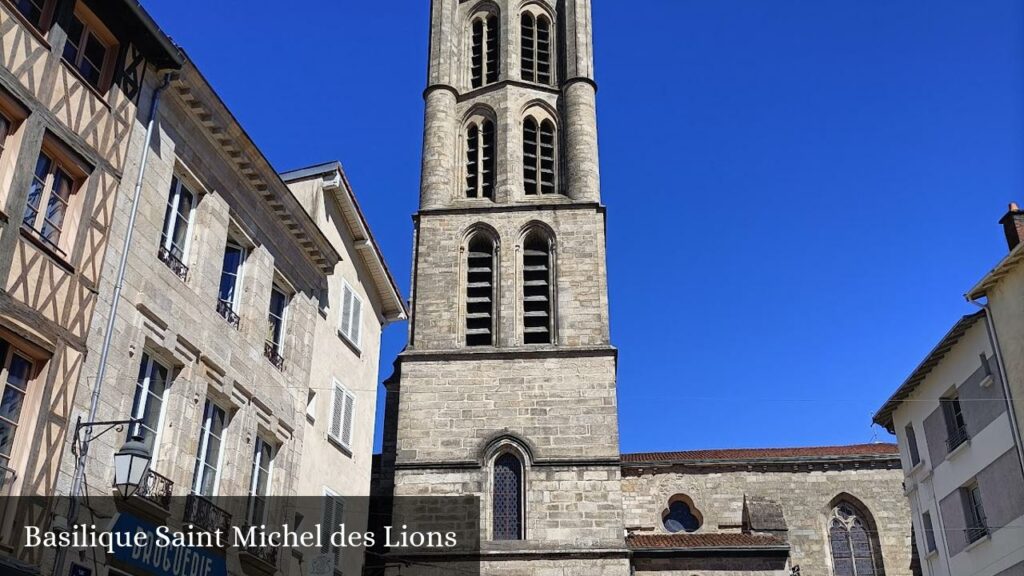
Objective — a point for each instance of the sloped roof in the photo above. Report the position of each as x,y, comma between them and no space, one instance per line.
704,541
762,454
884,415
1004,267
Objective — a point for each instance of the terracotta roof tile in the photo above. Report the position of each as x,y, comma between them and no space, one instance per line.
709,540
734,454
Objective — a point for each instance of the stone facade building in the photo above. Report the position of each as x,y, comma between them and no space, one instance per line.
506,390
959,439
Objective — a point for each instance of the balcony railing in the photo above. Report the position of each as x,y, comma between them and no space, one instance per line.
956,438
156,489
228,313
176,266
267,554
272,354
975,533
206,515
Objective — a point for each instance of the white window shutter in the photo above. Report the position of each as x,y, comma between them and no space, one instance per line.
337,410
347,420
346,309
357,320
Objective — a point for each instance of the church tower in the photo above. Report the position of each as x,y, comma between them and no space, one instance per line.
507,386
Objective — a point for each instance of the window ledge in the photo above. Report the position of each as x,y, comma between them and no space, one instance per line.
337,444
355,348
88,86
987,381
978,542
45,248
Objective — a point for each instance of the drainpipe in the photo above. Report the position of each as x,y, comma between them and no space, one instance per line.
78,479
993,339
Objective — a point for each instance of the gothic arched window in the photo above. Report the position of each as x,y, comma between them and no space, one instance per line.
480,291
480,159
485,56
539,156
538,327
854,545
508,498
536,48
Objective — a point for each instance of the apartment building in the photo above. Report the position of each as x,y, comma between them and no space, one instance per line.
360,299
960,456
72,98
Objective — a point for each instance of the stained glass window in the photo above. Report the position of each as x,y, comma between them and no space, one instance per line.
508,498
853,545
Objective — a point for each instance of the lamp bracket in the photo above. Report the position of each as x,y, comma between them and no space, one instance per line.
79,445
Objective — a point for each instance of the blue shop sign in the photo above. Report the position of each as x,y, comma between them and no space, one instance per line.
165,561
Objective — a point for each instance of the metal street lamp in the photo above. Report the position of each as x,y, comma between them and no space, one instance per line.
130,466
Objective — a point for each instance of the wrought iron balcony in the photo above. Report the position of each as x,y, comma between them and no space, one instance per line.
266,554
270,351
205,515
228,313
956,438
975,533
156,489
172,261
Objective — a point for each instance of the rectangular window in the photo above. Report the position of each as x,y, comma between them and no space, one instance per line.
915,455
35,11
276,314
175,238
211,433
259,486
351,315
229,293
147,407
49,197
89,48
15,374
331,520
343,410
974,513
956,428
929,531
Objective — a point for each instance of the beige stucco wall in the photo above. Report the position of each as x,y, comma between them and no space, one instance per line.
1006,302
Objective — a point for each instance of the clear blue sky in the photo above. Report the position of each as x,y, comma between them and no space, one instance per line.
798,191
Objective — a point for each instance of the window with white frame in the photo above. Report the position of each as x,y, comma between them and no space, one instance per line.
351,315
15,374
333,516
206,475
343,410
276,314
259,486
147,407
177,231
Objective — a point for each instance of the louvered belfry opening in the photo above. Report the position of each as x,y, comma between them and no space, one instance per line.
484,59
480,274
480,160
537,326
538,157
536,48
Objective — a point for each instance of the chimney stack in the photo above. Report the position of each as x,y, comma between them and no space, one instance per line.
1013,226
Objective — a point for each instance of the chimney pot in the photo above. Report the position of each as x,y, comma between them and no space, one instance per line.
1013,226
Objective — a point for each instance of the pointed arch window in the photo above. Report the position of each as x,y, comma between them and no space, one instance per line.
536,48
508,498
485,53
480,291
854,545
538,327
480,159
539,156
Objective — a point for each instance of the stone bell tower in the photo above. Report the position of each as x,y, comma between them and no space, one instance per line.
507,386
